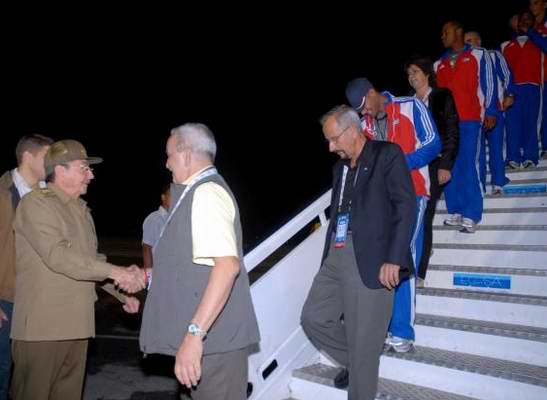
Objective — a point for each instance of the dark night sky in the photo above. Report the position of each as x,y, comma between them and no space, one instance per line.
119,80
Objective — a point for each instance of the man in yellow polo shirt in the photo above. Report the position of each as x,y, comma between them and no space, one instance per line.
199,276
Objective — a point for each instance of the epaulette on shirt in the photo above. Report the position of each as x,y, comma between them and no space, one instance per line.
46,191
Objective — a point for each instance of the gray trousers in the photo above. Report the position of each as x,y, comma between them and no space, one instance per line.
357,340
224,376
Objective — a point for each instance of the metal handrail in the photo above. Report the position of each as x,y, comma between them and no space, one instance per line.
287,231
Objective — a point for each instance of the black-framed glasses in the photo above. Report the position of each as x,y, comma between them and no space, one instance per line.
84,168
334,139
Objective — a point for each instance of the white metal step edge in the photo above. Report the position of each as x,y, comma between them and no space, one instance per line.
481,306
489,279
465,374
489,256
321,377
509,342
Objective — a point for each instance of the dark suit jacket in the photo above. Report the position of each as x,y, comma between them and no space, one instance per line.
383,211
443,109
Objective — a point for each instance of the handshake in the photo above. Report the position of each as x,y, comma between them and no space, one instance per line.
131,279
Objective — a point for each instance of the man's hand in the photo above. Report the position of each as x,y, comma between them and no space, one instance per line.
489,122
131,305
130,280
3,317
188,361
507,102
389,275
443,175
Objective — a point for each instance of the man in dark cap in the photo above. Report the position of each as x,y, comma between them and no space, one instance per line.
57,265
409,124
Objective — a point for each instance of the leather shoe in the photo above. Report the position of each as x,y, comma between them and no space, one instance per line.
341,380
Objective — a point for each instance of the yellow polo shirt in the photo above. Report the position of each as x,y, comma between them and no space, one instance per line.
213,215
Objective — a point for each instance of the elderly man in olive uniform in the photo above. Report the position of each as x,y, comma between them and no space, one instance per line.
200,286
57,265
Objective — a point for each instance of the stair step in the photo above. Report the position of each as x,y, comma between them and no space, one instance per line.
479,305
323,375
526,181
539,172
466,374
526,281
501,247
500,227
490,328
499,297
490,255
519,372
504,216
539,272
513,200
510,342
525,186
493,234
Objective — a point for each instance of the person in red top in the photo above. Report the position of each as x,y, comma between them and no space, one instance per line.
524,60
468,73
538,35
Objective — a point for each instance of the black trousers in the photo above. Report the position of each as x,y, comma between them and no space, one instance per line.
436,191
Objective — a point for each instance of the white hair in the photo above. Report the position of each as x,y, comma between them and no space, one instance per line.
196,137
344,115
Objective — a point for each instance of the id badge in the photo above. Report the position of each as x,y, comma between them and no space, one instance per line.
342,224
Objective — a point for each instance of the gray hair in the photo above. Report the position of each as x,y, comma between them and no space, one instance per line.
196,137
344,115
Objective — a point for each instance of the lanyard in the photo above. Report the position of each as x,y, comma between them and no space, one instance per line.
344,177
208,172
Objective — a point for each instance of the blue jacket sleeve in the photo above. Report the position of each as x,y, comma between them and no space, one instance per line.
538,39
504,73
429,143
486,74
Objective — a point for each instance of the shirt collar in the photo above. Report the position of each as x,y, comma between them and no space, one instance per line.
20,183
65,198
163,211
426,98
188,180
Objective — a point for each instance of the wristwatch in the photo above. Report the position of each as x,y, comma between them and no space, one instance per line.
195,330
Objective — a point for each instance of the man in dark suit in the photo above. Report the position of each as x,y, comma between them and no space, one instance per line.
367,252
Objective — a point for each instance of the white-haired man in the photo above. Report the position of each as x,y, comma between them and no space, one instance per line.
199,276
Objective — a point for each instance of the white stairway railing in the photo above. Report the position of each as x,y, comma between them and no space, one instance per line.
481,325
278,297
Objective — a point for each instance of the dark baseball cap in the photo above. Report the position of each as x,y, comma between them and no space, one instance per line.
64,151
356,92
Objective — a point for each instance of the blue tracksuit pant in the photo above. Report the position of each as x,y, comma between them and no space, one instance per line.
404,304
463,192
544,119
496,165
521,120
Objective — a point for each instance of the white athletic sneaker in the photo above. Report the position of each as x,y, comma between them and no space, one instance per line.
400,345
528,164
468,226
453,220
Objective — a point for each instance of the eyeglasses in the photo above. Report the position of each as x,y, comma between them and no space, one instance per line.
85,168
334,139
